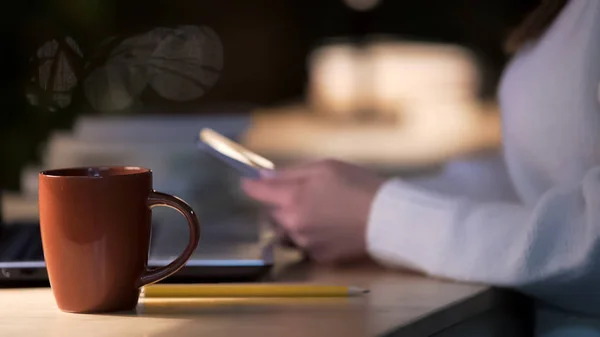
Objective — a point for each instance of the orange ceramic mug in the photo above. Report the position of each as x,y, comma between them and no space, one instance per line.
95,225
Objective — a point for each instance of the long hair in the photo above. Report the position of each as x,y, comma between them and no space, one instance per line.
535,24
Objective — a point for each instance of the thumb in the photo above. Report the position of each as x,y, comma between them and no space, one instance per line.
273,192
299,172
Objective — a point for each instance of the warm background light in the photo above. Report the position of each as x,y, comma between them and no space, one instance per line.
362,5
389,103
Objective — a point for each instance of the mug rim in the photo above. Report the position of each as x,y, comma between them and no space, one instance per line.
83,172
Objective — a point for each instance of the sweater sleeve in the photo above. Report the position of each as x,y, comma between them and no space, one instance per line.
482,177
550,250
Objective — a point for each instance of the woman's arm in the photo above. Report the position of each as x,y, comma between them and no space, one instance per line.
550,250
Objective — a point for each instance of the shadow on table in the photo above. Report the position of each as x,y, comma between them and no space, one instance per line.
299,272
250,317
236,306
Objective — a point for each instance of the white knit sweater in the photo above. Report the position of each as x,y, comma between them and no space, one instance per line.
543,237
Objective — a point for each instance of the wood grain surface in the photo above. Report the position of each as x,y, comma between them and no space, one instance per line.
397,302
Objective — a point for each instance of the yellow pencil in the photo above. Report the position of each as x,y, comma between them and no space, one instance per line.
249,290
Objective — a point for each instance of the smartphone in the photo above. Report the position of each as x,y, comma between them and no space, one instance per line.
247,163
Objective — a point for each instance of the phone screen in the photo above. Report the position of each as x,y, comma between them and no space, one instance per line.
246,162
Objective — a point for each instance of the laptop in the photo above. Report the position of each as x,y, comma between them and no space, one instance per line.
240,251
235,244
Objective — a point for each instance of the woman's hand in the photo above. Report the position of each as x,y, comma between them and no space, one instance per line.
323,207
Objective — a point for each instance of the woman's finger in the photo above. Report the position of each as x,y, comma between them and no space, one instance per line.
287,220
275,193
302,171
281,235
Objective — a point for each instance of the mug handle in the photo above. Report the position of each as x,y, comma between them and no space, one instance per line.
162,199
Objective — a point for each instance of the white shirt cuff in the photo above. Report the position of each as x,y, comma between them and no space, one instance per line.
408,226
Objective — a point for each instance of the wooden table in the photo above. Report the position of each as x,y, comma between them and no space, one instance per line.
399,304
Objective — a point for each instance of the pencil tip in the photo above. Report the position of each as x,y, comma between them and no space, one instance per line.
366,291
